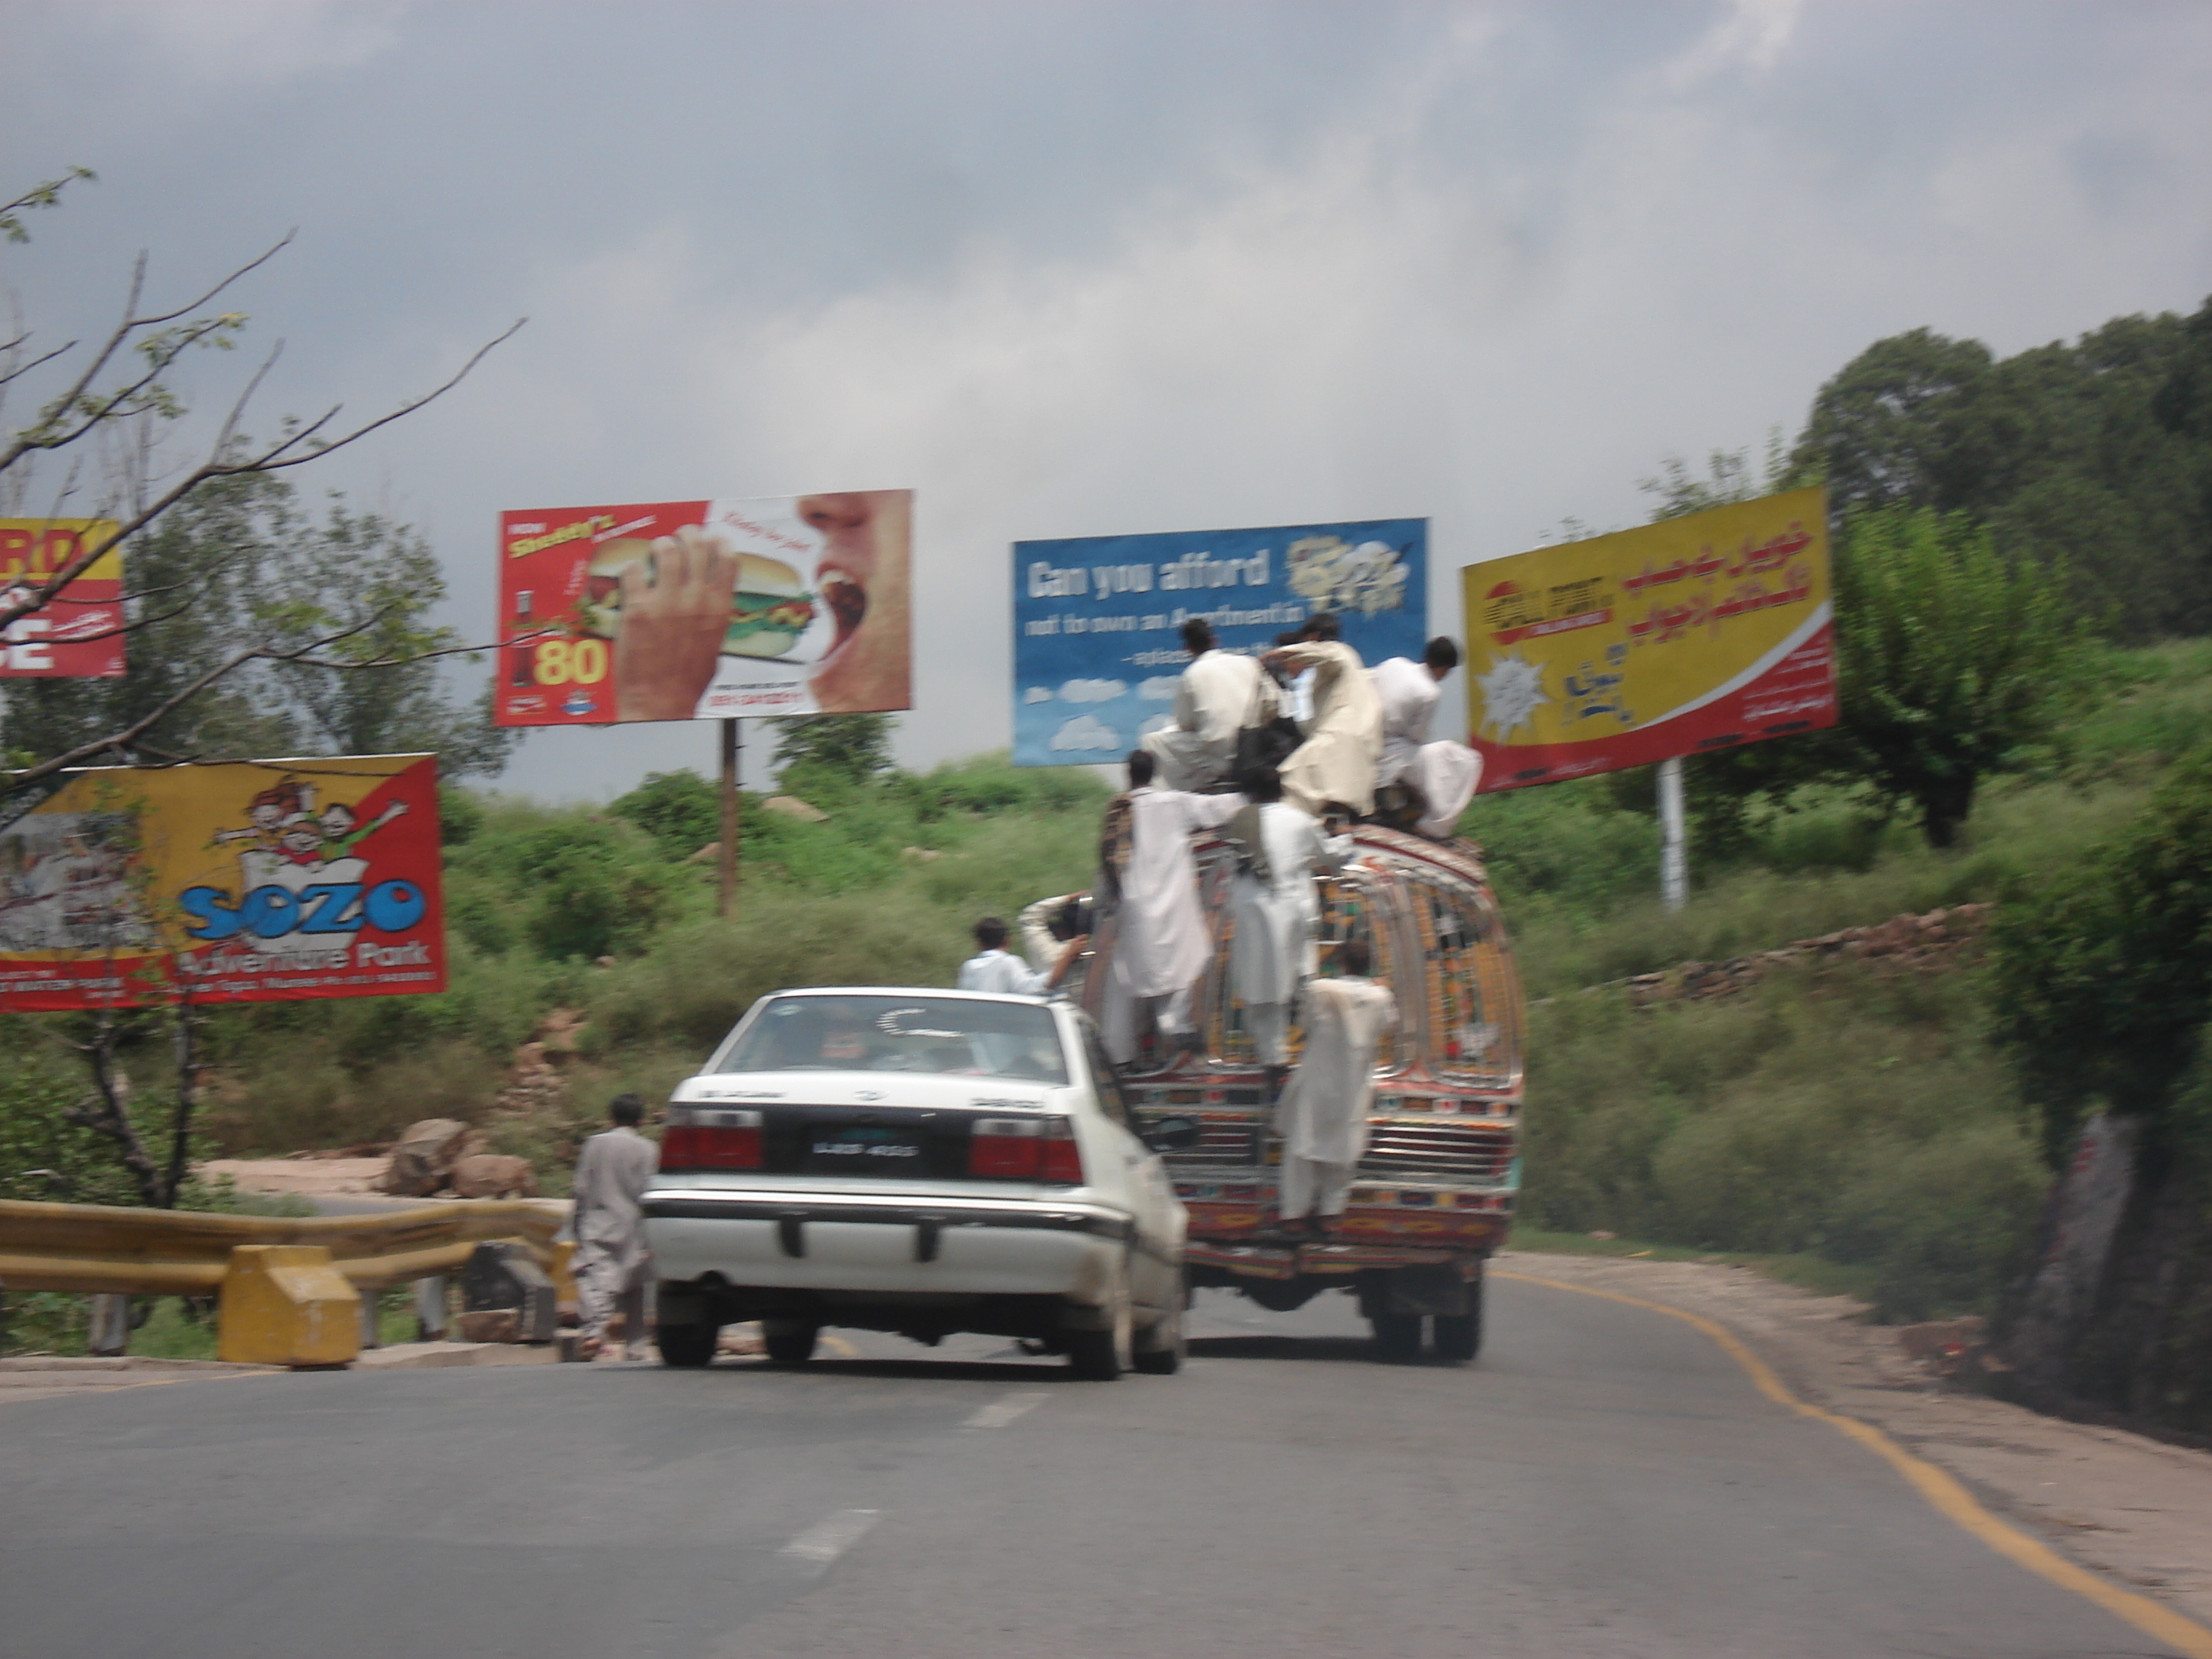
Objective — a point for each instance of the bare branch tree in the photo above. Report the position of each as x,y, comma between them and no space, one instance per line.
132,407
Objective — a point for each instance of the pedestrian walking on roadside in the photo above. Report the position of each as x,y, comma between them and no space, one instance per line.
1322,1118
611,1265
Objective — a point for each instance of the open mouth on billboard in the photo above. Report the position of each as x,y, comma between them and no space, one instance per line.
848,604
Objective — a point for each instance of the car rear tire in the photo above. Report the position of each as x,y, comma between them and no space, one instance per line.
687,1346
1161,1346
789,1341
1397,1336
1103,1356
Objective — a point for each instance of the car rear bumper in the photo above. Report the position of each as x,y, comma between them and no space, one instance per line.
893,1246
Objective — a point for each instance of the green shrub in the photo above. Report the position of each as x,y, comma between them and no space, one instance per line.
1859,1117
2103,974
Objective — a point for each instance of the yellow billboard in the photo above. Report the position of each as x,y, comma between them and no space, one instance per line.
1692,634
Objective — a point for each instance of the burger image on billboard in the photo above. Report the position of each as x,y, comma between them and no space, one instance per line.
599,607
770,609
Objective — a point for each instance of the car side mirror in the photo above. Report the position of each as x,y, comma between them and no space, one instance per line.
1171,1134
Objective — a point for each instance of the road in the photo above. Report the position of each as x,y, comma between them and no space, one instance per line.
1604,1482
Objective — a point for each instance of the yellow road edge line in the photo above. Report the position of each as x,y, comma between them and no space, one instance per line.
1942,1490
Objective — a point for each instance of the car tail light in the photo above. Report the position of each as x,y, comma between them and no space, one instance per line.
1025,1149
701,1139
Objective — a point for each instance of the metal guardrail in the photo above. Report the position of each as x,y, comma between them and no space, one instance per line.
90,1248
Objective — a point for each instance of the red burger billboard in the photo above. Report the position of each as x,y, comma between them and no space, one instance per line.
705,609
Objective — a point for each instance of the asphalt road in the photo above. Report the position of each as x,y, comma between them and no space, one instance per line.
1604,1481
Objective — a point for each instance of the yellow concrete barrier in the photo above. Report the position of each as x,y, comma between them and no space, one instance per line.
286,1304
87,1247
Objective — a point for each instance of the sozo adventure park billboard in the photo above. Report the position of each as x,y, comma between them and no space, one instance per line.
249,881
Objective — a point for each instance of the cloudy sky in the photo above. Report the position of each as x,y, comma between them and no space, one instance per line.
1073,268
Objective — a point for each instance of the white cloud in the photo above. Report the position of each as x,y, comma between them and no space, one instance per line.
234,41
1161,688
1091,691
1085,734
1037,694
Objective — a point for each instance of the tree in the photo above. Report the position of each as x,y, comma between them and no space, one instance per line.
1952,661
1729,477
2073,455
2103,982
1884,431
681,811
231,595
114,402
852,747
261,571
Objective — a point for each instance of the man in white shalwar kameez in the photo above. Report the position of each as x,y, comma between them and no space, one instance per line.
1217,695
1274,904
1323,1117
1162,942
611,1266
1442,774
1055,933
1336,762
996,968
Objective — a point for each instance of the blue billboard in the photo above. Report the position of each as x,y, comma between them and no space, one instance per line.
1096,618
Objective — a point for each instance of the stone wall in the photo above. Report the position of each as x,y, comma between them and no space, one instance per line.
1904,942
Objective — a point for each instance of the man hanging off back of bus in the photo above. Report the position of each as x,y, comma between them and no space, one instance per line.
1323,1117
1437,778
1147,877
1275,906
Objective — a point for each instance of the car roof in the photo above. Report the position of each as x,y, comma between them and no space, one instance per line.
912,991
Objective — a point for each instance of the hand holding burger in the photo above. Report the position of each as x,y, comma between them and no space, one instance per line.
675,611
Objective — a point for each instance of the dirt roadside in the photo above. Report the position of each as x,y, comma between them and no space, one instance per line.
2136,1510
308,1177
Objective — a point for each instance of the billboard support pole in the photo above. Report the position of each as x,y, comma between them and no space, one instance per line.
1674,861
732,743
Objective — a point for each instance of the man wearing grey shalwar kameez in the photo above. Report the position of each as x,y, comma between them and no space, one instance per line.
610,1265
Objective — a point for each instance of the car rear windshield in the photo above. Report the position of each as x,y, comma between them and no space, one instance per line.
950,1036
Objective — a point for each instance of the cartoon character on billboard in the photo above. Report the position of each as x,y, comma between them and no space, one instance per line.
301,874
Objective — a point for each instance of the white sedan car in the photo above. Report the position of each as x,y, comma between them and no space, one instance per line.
923,1162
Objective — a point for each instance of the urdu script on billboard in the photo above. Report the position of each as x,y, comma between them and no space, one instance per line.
77,634
244,881
1097,654
1696,633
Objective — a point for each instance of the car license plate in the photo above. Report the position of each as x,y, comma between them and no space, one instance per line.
863,1148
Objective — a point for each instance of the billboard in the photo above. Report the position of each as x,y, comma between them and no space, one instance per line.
794,604
249,881
1096,650
78,634
1696,633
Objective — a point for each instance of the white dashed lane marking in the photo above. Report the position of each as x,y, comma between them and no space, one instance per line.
999,1412
821,1544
